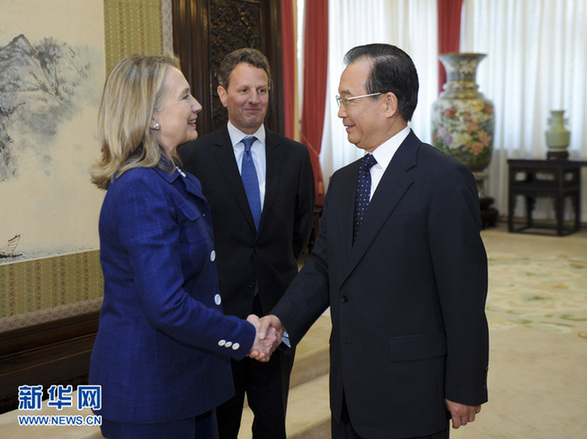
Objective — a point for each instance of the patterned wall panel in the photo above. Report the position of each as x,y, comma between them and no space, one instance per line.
167,26
49,284
132,27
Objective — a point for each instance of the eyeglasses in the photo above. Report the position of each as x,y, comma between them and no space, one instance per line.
345,101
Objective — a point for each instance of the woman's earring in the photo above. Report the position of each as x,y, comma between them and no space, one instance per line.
156,126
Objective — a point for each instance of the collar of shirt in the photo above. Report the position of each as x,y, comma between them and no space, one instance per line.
257,153
237,135
383,154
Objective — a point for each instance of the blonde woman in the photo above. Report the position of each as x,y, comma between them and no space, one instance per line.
163,349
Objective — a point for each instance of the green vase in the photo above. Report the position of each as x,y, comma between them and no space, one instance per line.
557,136
462,118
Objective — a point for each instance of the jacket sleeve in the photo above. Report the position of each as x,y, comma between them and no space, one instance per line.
305,202
460,267
308,296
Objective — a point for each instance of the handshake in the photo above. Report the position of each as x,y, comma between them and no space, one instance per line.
268,337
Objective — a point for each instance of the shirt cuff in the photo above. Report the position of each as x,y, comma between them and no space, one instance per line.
285,339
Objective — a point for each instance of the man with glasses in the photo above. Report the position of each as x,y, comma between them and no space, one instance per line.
401,264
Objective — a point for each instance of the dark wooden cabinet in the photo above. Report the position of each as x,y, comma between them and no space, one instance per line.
56,352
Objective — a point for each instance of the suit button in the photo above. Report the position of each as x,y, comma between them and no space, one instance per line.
235,346
228,344
344,299
256,249
251,284
217,299
221,342
213,256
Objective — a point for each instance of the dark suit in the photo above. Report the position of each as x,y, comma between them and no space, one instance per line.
267,257
163,346
407,299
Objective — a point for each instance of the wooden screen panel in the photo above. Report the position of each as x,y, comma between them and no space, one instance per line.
205,31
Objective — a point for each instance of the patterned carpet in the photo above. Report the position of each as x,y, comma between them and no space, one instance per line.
543,292
537,311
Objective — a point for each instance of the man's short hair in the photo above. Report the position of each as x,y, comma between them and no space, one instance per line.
392,70
247,55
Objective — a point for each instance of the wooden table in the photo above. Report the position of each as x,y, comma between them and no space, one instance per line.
557,179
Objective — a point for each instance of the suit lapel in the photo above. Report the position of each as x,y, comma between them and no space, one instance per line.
346,205
393,185
224,156
273,162
345,208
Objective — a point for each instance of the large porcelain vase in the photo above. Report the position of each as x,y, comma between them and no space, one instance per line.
462,118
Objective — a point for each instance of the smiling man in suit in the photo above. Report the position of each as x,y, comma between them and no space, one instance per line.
400,261
260,186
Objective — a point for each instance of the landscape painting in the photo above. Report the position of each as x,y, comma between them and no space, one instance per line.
51,78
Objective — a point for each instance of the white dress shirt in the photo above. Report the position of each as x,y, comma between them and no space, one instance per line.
383,154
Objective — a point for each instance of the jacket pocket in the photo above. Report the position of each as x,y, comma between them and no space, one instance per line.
194,229
417,347
189,211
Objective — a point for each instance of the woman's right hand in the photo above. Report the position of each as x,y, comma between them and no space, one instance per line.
265,346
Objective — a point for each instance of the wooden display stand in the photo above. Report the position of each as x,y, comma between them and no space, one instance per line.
557,179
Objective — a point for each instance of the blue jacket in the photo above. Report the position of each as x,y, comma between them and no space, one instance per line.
163,347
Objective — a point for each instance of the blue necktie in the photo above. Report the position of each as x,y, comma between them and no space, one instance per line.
250,181
363,192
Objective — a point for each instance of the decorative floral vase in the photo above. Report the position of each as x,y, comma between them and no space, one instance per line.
462,119
557,136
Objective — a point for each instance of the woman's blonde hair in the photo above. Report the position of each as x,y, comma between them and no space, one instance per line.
132,92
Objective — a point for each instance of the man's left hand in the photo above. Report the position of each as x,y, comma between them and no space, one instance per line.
462,414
